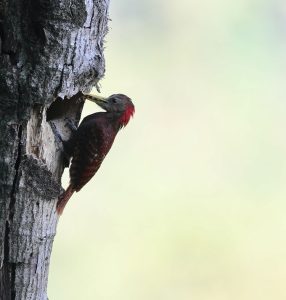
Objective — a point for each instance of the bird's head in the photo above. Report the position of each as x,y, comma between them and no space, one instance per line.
117,103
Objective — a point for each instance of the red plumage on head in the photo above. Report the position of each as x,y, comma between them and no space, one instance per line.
129,112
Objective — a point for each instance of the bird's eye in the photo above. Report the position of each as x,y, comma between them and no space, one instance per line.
114,101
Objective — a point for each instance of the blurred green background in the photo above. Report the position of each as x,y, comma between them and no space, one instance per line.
190,202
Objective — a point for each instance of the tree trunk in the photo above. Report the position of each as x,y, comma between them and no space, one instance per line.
50,51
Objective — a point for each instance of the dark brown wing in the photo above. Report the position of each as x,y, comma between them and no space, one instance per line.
87,154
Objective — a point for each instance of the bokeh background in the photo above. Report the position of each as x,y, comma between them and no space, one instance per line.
191,201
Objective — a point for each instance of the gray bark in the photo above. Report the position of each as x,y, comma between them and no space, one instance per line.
50,50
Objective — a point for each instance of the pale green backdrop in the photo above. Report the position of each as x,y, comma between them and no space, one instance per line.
191,201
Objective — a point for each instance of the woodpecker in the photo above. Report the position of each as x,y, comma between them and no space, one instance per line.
92,140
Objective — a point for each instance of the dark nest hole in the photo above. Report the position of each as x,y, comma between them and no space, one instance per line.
70,108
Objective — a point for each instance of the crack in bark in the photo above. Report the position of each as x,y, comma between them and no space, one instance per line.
74,52
12,266
17,165
58,88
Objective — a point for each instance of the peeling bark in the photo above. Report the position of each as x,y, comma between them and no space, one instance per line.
50,51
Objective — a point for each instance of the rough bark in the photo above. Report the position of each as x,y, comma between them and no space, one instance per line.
50,50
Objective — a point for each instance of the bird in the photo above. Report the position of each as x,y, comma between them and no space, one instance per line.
92,140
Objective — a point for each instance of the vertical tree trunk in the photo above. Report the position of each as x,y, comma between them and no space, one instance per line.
50,50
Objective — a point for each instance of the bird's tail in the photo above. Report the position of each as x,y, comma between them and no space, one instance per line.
63,199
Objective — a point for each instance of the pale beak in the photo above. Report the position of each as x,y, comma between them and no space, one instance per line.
99,100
